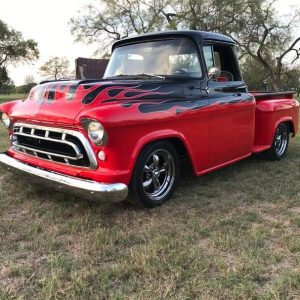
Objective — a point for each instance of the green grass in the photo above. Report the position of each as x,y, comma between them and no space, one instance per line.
5,98
232,234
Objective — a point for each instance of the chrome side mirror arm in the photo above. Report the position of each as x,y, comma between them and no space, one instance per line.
212,72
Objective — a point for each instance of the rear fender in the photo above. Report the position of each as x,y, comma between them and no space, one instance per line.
284,120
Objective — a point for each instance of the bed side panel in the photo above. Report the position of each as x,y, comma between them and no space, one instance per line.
269,113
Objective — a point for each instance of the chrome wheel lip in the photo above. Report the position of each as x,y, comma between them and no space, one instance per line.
158,174
281,139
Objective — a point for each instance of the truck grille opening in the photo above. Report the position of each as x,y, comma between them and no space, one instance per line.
63,146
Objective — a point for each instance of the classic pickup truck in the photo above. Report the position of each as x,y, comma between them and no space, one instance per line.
164,96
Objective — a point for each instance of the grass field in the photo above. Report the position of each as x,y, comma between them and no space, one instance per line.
232,234
4,98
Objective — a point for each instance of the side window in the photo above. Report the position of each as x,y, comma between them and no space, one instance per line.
224,58
208,56
217,60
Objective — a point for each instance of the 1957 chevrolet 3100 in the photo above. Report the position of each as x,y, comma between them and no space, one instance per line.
164,96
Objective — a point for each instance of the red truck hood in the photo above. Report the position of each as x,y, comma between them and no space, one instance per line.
61,102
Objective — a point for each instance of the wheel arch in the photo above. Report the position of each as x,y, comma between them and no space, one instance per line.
175,138
289,121
291,127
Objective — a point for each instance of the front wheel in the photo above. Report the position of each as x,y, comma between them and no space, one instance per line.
155,175
280,142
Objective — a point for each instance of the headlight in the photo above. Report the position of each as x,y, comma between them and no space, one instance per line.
5,120
96,132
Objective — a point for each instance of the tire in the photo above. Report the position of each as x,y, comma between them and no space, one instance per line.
155,175
280,142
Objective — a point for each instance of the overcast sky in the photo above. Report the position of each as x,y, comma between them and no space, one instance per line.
47,23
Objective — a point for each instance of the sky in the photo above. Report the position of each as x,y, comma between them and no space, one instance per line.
47,22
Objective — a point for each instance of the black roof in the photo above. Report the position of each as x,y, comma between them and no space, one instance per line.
196,35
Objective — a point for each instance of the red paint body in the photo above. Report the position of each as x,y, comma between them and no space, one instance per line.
213,136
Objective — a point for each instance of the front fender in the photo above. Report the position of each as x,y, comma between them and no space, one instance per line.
156,136
8,106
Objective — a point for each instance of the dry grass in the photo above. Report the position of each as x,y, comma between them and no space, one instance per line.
232,234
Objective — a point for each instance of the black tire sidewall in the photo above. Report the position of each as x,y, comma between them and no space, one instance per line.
274,154
137,192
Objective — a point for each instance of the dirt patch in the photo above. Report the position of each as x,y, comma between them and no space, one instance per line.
287,264
295,210
17,214
5,272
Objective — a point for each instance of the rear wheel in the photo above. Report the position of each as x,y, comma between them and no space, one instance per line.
280,142
155,175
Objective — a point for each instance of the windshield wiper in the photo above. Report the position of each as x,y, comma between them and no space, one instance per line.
118,76
151,76
136,76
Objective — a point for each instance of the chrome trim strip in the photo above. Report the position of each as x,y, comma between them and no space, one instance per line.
85,143
62,141
92,190
16,146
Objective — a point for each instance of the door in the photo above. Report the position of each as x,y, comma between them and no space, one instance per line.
232,108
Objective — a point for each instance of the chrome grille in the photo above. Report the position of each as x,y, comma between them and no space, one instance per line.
59,145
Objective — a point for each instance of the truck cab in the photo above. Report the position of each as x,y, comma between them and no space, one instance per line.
164,96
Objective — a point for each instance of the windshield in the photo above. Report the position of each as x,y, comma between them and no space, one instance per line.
169,57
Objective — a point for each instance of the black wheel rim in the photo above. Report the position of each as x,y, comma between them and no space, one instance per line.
281,139
158,174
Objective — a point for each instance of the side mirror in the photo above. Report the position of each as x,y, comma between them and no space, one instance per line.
213,72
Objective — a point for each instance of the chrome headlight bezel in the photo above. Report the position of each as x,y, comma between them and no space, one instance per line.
95,131
5,119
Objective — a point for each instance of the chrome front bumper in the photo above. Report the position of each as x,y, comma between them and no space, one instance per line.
114,192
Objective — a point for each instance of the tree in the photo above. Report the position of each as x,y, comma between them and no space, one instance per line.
255,26
113,20
29,79
29,83
55,68
291,79
4,79
255,76
14,49
7,88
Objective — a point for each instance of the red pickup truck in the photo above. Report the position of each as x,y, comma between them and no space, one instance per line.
164,96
